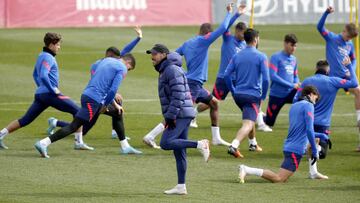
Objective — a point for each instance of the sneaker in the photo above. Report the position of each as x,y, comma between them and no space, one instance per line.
318,176
130,150
176,191
52,126
205,150
264,128
242,173
114,135
255,148
235,152
193,123
83,146
150,142
2,145
41,149
220,141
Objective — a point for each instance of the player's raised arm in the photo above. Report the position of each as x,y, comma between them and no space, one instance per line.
127,49
321,24
212,36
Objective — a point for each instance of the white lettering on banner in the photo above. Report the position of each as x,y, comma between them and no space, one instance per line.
264,8
320,5
290,4
305,5
82,5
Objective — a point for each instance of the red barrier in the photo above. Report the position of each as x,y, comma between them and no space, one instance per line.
95,13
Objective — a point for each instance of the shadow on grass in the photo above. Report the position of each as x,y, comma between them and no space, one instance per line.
335,188
83,194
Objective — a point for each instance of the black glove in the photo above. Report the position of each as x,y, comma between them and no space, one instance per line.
170,123
329,143
314,159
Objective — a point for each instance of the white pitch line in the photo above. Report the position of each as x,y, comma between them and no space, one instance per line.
158,113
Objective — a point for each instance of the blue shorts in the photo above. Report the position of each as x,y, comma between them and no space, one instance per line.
89,110
249,106
291,161
322,129
220,90
198,93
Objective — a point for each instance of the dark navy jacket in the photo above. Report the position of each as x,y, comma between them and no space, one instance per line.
174,92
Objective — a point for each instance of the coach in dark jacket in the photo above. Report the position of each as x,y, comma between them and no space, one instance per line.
177,109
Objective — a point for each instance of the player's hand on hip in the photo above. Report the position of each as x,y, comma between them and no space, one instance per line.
118,98
170,123
346,61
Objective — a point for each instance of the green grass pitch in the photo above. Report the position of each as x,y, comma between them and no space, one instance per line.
104,175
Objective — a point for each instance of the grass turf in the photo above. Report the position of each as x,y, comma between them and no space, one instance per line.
104,175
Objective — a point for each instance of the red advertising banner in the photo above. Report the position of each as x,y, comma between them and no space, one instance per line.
2,13
95,13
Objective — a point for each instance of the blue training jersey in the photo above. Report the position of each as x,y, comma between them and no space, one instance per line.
230,46
252,73
106,80
125,50
336,50
195,51
46,73
283,74
301,128
327,87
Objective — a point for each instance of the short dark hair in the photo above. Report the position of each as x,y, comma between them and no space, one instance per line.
352,30
310,89
205,28
322,64
129,57
290,38
240,26
112,50
250,35
51,38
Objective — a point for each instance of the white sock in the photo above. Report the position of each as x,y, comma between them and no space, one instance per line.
200,145
254,171
113,132
313,168
215,131
260,119
235,143
79,138
54,122
252,141
45,142
124,144
196,111
181,186
156,131
3,133
358,115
